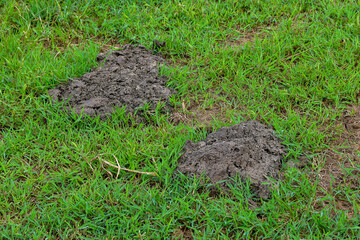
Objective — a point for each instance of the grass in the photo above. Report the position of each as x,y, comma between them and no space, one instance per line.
298,74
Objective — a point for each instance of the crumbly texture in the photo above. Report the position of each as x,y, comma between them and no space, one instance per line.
129,77
248,149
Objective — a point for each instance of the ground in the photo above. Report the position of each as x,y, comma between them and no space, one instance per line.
292,65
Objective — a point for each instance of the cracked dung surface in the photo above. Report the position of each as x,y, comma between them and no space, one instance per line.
248,149
128,77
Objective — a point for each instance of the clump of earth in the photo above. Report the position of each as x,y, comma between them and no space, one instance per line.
247,150
129,77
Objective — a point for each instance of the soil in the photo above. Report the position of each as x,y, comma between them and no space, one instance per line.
234,41
340,169
198,117
183,233
129,77
249,150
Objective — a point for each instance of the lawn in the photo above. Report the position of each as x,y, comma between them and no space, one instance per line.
292,65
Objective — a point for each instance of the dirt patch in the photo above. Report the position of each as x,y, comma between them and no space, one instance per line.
340,170
248,149
351,123
198,117
335,181
183,233
129,77
245,37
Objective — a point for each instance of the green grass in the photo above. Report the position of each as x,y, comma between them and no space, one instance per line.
299,75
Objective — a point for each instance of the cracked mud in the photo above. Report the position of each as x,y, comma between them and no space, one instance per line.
129,77
248,149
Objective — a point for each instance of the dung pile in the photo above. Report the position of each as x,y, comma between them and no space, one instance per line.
248,149
128,77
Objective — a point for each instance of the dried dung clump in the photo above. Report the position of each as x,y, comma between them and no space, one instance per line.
248,149
129,77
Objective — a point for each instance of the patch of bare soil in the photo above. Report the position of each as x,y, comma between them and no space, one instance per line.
245,37
197,116
128,77
183,233
247,150
344,154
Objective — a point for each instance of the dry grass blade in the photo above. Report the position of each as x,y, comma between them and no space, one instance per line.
118,166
